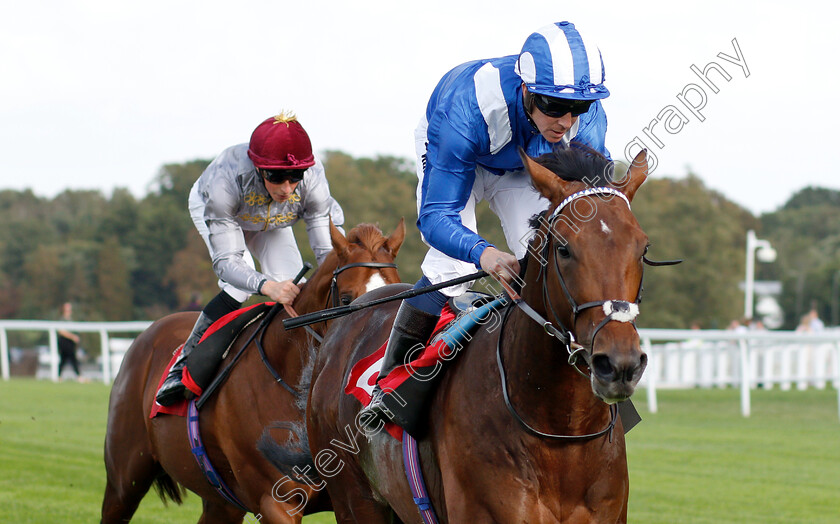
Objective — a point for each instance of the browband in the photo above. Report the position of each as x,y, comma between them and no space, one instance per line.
588,192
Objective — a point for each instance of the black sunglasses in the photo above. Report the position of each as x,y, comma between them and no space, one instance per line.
278,176
557,107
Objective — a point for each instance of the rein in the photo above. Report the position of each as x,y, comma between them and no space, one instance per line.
293,314
257,336
528,427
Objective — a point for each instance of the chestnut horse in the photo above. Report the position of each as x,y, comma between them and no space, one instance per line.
140,451
513,433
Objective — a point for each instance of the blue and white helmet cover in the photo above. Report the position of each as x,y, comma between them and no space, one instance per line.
556,61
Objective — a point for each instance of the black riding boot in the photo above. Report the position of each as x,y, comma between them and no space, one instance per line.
172,390
412,327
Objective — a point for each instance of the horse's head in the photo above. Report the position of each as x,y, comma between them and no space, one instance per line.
585,264
362,261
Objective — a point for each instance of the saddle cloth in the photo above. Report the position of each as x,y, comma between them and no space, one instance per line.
215,341
458,319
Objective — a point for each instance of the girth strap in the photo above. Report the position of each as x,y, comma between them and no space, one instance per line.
200,454
411,461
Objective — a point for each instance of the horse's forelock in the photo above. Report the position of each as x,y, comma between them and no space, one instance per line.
579,162
368,236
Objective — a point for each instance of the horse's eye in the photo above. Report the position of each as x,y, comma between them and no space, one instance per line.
563,250
346,299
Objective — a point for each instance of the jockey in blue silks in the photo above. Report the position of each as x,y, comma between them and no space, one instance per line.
467,144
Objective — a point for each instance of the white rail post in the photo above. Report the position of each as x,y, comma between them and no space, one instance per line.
54,371
745,378
4,353
837,374
106,356
653,406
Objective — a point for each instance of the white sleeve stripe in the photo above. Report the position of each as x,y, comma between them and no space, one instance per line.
491,102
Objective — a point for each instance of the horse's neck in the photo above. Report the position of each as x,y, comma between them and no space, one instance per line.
289,350
313,296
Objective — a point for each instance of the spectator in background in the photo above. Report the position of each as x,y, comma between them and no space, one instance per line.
67,343
738,325
804,324
757,325
814,322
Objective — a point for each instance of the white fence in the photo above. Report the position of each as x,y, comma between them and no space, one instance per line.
750,359
678,358
112,348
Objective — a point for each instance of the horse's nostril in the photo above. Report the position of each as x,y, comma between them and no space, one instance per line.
602,367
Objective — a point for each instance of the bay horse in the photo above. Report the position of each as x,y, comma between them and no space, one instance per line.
513,433
140,451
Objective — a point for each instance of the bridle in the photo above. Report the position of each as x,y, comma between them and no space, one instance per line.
614,310
333,294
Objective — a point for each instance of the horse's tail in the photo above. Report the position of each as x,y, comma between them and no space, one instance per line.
293,457
167,489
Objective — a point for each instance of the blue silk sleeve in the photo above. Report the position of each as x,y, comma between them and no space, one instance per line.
447,183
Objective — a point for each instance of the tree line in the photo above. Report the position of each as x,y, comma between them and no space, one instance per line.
120,257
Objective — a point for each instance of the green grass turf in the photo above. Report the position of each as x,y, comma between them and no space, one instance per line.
699,461
696,461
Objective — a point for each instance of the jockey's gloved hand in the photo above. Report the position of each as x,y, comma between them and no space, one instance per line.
282,292
499,264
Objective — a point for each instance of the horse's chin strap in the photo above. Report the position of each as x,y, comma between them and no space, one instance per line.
614,310
565,336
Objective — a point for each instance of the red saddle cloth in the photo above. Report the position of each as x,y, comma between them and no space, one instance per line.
363,375
180,408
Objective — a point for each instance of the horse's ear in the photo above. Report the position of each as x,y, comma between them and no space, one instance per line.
635,176
395,240
547,183
340,244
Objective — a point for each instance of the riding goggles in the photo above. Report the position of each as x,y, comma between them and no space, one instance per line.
278,176
557,107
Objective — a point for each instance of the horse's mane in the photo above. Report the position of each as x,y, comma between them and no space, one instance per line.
576,162
579,162
368,236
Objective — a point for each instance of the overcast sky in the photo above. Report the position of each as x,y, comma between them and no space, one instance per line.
100,94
